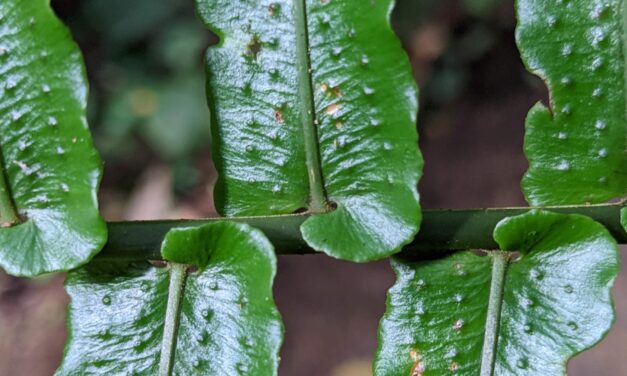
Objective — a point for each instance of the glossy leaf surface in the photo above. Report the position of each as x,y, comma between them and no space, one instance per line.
48,205
314,103
226,322
555,302
577,149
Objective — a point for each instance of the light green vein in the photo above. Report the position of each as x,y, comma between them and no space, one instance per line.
500,261
318,201
8,214
178,276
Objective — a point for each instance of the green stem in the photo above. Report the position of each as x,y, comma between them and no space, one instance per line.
441,231
318,201
178,275
500,262
8,214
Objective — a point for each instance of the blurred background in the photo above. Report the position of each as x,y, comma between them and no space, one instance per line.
150,123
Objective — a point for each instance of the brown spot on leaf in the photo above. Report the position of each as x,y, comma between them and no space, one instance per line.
253,47
419,367
273,9
336,91
453,367
333,109
278,116
415,356
339,125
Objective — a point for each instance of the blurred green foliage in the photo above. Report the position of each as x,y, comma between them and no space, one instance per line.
145,65
470,30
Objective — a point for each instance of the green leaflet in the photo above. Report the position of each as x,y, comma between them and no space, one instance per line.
555,302
623,218
51,170
143,320
313,102
577,151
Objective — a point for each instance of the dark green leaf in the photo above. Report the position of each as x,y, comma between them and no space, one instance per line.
623,218
51,170
313,102
217,320
576,149
554,302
